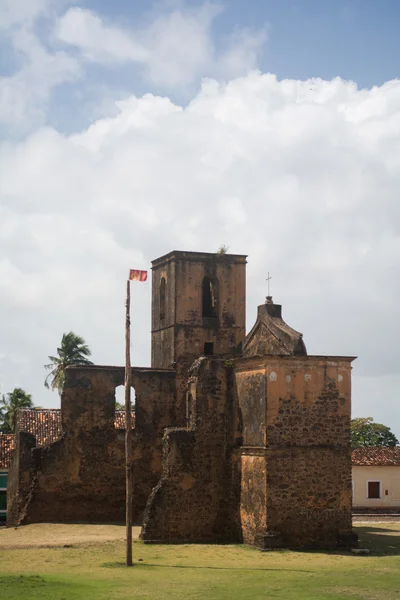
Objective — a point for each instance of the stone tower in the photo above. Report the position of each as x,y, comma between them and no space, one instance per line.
198,306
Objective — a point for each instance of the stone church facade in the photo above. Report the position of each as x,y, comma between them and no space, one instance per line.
237,438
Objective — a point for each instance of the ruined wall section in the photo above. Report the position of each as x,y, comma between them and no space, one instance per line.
20,477
227,330
251,398
194,499
181,336
155,410
81,477
163,333
307,450
253,497
308,433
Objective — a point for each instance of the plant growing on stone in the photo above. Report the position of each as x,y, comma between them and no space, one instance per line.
73,351
9,404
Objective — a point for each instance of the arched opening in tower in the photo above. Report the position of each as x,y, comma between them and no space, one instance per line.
210,299
162,298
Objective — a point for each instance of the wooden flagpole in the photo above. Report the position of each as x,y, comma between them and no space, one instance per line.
128,429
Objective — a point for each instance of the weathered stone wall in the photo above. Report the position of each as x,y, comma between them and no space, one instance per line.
20,477
184,273
251,395
180,337
156,409
81,477
270,454
253,497
194,500
309,496
306,422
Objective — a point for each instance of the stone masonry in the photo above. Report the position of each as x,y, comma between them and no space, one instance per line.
237,439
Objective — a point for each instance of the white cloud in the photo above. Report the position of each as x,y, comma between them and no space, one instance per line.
242,52
24,96
174,49
301,176
25,93
15,12
98,42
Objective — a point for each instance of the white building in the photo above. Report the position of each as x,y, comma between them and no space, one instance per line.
376,478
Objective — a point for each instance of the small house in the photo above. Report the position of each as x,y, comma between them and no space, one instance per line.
376,478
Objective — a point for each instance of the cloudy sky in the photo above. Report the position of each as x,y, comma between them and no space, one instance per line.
131,128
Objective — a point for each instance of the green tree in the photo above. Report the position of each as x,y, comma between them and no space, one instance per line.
9,403
365,432
73,351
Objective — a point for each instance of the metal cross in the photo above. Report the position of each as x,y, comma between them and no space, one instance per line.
268,280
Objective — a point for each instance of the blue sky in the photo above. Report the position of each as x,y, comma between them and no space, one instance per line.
128,129
353,39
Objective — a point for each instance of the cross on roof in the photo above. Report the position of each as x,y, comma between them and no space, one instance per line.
268,280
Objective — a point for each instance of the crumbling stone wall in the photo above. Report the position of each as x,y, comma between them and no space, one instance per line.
193,500
20,476
302,456
183,331
253,449
81,476
253,496
179,333
266,460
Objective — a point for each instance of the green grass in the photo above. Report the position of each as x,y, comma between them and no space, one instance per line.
95,570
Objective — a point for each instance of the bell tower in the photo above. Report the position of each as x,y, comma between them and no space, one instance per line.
198,306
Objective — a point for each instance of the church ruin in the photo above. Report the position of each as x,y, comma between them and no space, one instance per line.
237,438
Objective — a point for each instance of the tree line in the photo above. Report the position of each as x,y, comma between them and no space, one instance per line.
73,350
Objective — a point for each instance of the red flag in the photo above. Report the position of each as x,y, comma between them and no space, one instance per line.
136,275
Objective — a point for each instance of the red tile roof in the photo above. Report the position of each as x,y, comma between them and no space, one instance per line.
376,456
45,423
7,444
119,421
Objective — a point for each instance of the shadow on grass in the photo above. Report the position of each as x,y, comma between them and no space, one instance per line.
379,540
117,565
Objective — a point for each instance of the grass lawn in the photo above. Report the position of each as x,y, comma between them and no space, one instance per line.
73,562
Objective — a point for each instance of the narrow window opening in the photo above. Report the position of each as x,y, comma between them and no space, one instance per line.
374,489
120,398
209,298
162,298
208,348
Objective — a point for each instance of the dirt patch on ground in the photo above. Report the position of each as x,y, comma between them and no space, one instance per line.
42,535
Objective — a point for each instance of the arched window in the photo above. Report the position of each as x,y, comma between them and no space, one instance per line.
119,418
210,299
162,298
120,397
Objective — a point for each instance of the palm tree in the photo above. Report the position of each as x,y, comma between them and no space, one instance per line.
9,403
73,351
